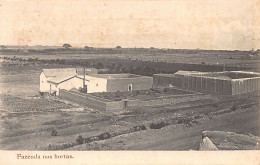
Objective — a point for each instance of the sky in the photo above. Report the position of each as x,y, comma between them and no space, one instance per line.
178,24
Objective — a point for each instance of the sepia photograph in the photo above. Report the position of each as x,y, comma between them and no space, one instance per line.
112,75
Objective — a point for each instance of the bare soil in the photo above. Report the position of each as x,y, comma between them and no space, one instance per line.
28,120
179,137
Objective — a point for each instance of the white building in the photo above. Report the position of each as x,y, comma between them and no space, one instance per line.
116,82
53,79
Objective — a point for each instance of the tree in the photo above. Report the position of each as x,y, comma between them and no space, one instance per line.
86,47
118,47
66,46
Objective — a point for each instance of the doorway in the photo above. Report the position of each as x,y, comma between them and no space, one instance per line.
130,87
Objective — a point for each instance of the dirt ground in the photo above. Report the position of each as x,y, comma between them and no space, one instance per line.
178,137
32,130
27,121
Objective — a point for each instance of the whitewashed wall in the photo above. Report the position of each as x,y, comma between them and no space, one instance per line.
44,85
96,84
69,84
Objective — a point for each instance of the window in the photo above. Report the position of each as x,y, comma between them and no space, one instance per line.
97,84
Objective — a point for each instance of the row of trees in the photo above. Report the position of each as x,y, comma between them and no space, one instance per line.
67,46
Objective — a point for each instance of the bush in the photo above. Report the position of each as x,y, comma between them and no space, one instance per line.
184,121
139,128
104,136
54,132
158,125
89,139
80,139
233,108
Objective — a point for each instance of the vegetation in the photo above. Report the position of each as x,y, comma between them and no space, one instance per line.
54,132
66,46
80,139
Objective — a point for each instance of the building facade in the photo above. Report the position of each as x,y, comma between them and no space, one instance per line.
52,80
227,83
55,75
117,82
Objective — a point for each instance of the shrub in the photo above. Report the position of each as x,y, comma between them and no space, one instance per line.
80,139
143,127
233,108
158,125
197,116
139,128
105,135
93,138
54,132
88,140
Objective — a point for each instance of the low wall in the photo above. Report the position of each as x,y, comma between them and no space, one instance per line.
172,100
91,101
83,100
96,103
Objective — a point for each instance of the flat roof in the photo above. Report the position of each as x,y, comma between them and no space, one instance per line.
225,75
115,76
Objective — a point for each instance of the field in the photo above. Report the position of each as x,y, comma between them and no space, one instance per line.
153,60
29,122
